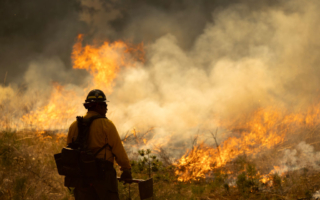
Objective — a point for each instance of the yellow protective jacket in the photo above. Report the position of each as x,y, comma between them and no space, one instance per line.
102,131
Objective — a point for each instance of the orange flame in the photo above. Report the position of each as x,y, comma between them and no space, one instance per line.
103,63
265,129
56,113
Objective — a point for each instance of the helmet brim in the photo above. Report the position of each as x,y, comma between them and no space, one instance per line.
95,101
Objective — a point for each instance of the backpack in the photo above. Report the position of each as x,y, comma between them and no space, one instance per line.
75,162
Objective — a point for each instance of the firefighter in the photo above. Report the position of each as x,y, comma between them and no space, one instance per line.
102,131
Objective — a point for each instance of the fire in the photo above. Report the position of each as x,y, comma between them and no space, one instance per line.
196,163
103,63
264,130
56,113
279,170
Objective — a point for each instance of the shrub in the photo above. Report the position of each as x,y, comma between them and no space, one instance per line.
218,181
276,181
248,181
19,188
197,189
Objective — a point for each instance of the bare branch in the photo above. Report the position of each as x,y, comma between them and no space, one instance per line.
217,145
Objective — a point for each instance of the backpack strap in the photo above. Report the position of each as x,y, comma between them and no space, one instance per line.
104,146
83,133
83,130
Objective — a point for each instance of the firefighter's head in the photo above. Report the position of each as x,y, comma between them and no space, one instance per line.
96,101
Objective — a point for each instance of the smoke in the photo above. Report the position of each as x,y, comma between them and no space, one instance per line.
34,29
205,62
243,59
302,156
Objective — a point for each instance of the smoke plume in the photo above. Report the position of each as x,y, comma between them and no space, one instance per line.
205,62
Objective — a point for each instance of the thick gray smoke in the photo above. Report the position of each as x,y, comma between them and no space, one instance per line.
243,59
204,61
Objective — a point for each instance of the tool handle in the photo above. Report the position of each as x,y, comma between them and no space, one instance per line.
130,180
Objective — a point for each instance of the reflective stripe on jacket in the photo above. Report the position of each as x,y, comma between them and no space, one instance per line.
103,131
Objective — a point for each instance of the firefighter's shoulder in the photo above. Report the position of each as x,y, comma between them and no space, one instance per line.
105,122
73,125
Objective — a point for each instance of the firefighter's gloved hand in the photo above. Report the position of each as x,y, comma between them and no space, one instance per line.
126,175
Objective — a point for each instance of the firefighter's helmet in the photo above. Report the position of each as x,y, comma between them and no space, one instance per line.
95,96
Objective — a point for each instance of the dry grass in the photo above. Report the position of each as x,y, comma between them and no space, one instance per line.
27,168
28,171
